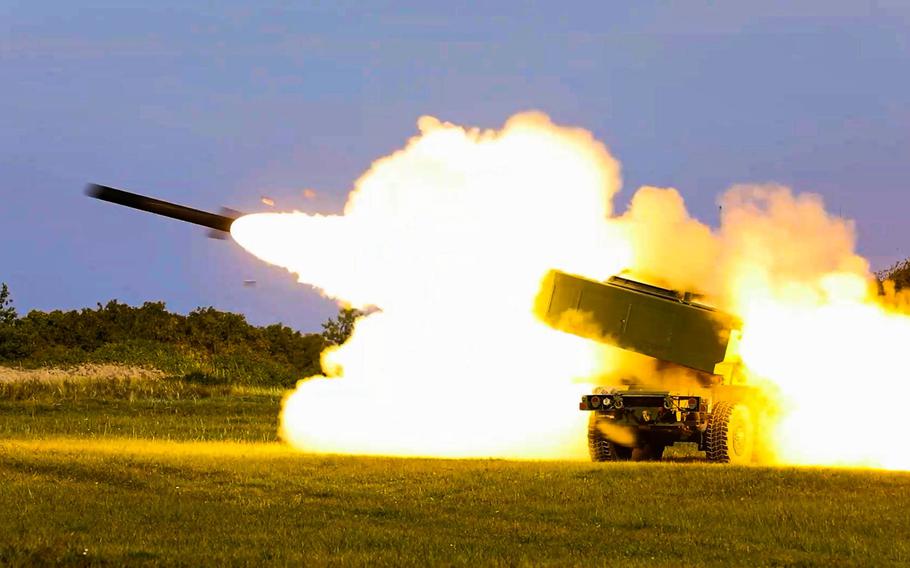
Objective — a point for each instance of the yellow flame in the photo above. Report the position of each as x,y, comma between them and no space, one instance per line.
839,366
449,238
814,328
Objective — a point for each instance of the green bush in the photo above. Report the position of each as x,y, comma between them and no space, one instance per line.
899,273
207,346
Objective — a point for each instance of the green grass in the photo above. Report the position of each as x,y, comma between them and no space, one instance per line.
207,503
134,403
146,480
249,418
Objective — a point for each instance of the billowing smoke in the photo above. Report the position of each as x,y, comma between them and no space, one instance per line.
814,327
449,238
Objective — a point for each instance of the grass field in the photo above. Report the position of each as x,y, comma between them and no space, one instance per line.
202,481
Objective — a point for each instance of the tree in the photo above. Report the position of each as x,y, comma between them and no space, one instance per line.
899,273
337,330
7,312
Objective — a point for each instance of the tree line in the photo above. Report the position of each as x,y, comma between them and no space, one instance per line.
206,345
899,273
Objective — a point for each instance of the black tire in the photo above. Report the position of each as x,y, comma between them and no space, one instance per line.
602,449
730,436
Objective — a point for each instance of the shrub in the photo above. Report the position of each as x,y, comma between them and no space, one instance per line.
207,346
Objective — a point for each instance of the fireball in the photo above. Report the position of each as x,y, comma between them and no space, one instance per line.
447,240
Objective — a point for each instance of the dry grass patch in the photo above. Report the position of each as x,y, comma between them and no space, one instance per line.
84,372
94,381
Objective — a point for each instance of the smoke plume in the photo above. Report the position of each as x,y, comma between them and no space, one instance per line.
448,239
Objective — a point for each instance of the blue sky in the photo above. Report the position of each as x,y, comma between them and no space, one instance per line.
219,103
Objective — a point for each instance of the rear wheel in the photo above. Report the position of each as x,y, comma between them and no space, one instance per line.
730,437
601,448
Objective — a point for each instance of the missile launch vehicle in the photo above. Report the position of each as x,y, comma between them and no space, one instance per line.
713,408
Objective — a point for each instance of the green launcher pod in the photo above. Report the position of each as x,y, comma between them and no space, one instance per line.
647,319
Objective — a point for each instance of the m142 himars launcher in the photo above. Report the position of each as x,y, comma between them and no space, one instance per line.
634,421
712,408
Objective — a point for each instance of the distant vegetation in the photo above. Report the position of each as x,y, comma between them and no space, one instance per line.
207,346
337,330
899,273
